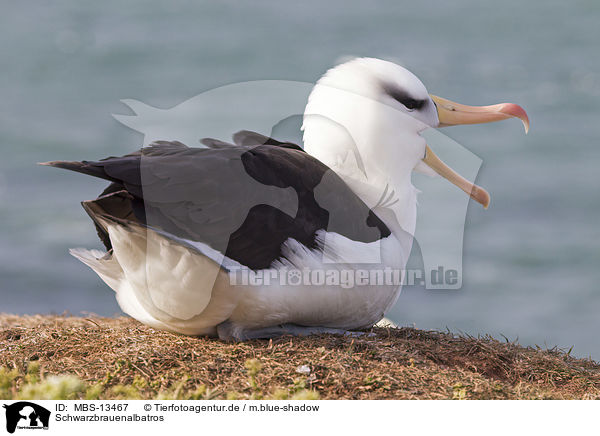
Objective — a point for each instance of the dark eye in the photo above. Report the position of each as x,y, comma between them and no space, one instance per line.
411,103
402,97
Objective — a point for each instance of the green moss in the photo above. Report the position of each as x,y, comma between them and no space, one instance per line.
55,387
94,392
8,381
305,394
459,392
125,392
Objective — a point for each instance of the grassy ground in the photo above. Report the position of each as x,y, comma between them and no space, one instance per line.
69,357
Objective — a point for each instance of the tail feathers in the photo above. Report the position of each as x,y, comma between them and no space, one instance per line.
161,281
102,263
84,167
171,280
109,270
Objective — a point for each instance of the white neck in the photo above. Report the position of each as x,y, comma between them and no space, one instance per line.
366,152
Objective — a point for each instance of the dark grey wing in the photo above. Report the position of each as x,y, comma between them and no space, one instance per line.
248,138
215,143
244,201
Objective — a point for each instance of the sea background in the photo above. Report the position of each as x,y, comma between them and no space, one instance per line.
531,261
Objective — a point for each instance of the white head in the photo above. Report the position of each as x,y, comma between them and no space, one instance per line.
364,118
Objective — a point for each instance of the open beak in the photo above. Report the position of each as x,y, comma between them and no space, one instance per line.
451,114
477,193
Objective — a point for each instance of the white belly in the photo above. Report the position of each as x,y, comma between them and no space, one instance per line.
359,288
160,283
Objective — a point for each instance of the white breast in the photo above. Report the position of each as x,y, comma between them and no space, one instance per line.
330,305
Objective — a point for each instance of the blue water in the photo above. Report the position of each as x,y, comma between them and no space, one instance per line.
531,262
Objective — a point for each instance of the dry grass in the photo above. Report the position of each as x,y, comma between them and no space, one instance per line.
121,358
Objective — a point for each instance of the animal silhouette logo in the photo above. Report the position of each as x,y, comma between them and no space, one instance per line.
26,415
282,102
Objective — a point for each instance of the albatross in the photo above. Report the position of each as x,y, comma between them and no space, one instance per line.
180,224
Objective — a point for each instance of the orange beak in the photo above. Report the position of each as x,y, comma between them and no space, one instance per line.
451,114
477,193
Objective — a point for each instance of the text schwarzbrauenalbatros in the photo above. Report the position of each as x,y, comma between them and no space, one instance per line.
68,417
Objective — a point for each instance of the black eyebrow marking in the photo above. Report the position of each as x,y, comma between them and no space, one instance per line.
403,97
